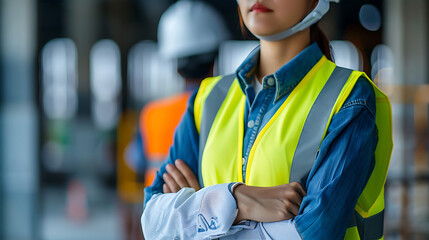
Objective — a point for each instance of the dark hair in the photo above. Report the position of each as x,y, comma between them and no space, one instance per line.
242,26
316,35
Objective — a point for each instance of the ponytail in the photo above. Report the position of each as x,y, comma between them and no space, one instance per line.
317,35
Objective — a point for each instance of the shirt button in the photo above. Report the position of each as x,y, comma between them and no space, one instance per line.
250,124
271,81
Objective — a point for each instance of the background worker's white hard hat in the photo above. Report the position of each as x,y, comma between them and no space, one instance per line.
314,16
190,28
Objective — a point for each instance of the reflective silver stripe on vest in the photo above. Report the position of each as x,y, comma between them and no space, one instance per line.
369,228
315,124
309,143
211,107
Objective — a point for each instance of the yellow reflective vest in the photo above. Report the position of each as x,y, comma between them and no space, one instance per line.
286,148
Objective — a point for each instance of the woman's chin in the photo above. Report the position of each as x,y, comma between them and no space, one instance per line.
263,30
263,33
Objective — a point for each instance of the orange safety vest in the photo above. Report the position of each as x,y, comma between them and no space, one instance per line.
158,121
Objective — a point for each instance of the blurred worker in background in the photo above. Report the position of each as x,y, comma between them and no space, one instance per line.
189,32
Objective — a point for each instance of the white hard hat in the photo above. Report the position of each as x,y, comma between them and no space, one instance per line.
318,12
190,28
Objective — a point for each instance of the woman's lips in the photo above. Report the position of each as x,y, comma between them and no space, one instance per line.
258,7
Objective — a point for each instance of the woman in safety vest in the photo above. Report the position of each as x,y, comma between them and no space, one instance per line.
289,147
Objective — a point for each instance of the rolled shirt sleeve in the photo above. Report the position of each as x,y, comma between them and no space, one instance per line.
206,214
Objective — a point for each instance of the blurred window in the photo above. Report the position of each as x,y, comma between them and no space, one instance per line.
106,83
59,74
150,75
382,62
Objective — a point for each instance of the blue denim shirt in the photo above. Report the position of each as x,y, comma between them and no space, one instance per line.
345,160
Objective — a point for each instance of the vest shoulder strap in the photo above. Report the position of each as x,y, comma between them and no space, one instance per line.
309,143
211,107
315,125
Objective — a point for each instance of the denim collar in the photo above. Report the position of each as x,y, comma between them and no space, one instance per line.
287,77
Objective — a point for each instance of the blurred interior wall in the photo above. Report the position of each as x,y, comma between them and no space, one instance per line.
18,120
406,33
82,19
